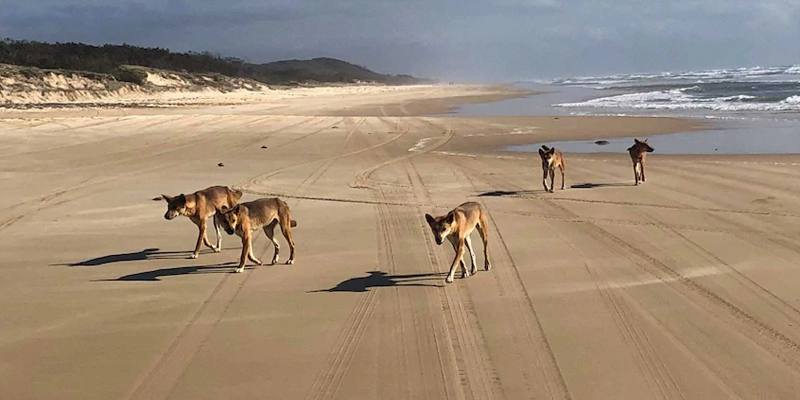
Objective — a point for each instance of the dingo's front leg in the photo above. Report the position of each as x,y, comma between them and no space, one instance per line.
641,166
205,237
454,241
201,226
544,179
474,268
247,249
219,233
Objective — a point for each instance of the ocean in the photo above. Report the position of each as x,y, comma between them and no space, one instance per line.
756,110
772,89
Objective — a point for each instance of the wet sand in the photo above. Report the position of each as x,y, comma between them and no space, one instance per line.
684,287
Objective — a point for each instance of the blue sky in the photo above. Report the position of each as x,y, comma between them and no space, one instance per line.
462,40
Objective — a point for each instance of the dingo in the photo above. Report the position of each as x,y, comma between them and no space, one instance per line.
456,226
245,218
551,158
638,152
200,205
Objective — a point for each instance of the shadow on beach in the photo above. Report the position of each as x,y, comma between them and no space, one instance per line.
599,185
382,279
156,274
152,253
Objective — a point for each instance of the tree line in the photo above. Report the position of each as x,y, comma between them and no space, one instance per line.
109,58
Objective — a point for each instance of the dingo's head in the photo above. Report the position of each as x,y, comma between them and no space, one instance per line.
175,206
640,146
441,226
547,154
230,218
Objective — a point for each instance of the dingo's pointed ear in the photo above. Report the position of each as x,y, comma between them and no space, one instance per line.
541,152
645,140
451,217
430,219
636,140
545,148
166,198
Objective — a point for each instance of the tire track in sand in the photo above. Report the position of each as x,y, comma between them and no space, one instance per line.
161,379
47,200
529,332
758,332
328,379
463,339
744,233
328,382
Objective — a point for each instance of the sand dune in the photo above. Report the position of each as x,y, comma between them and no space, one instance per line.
684,287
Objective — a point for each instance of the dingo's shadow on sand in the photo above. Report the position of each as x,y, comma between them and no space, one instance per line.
156,274
508,193
599,185
152,253
383,279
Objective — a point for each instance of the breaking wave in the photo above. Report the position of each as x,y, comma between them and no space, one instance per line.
777,73
681,99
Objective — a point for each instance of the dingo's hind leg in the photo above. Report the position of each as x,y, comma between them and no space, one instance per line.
483,230
269,230
286,230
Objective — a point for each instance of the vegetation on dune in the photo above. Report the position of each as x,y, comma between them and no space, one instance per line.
111,59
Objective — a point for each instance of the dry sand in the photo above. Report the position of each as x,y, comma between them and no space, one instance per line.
684,287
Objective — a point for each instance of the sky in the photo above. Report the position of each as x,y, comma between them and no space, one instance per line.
463,40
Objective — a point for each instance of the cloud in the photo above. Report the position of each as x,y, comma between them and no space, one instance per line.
450,39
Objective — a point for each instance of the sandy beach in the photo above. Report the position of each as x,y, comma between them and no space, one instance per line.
682,288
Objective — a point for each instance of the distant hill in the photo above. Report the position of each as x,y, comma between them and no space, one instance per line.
111,59
322,70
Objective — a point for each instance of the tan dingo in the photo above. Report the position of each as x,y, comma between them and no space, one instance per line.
456,226
551,158
246,218
638,153
200,205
